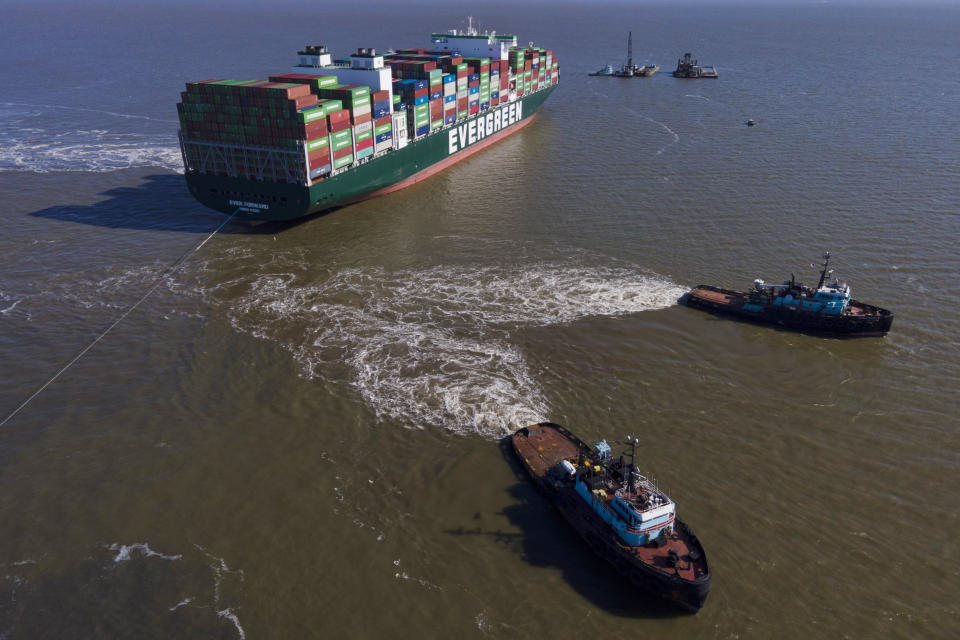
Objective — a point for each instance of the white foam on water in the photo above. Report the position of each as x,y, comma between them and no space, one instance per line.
403,575
676,136
66,108
109,142
95,151
433,347
11,307
220,570
125,552
182,603
232,617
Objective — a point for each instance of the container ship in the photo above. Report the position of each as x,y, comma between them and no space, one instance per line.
332,132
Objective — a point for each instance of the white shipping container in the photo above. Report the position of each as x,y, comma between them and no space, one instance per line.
364,126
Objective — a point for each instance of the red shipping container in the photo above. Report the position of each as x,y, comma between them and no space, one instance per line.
421,93
346,151
377,96
462,104
315,129
338,117
360,119
288,92
365,144
474,109
319,157
306,101
296,78
381,121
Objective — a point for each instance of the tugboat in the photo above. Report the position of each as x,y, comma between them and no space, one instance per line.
687,67
606,71
825,309
622,515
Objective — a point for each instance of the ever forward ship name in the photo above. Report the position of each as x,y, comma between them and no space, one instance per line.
333,132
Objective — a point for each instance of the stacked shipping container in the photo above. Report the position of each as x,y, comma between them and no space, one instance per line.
258,125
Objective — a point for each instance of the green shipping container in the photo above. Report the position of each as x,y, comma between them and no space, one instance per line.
318,143
384,128
309,115
329,106
342,162
324,82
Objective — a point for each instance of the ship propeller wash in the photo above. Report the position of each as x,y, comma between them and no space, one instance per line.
331,132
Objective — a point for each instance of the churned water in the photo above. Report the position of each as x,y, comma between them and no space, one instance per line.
298,433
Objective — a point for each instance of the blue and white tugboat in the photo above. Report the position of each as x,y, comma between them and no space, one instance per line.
825,309
622,515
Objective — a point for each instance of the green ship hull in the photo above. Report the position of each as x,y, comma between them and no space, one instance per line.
275,201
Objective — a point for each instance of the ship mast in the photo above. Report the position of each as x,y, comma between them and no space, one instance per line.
633,454
823,273
630,50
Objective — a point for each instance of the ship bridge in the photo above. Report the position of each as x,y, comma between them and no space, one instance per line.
471,43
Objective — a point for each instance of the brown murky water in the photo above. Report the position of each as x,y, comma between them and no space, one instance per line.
297,434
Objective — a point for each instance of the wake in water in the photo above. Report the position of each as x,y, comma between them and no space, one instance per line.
108,143
671,132
433,347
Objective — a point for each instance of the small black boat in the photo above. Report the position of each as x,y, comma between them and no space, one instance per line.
623,516
827,309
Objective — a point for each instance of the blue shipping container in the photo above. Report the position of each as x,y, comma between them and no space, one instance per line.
450,119
473,76
448,78
474,90
316,172
436,95
452,98
420,100
423,130
383,137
